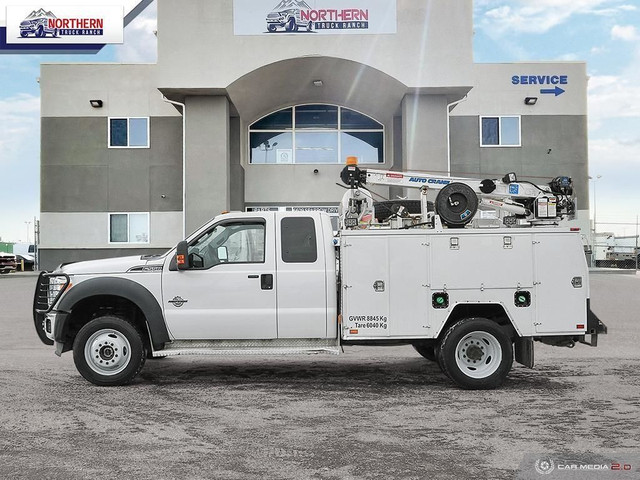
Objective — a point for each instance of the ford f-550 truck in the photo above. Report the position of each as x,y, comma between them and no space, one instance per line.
471,298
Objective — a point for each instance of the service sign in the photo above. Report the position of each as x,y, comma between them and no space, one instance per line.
314,17
56,24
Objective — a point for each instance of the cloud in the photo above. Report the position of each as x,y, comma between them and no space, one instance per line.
540,16
19,123
627,33
140,43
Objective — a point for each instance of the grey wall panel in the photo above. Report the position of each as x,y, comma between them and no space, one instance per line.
165,180
73,188
551,145
74,141
83,174
128,188
51,258
166,141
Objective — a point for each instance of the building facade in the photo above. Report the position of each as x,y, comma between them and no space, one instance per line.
254,104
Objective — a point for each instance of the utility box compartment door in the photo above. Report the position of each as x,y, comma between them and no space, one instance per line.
560,306
385,291
479,260
365,286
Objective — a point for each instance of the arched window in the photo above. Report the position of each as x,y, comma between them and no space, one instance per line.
316,134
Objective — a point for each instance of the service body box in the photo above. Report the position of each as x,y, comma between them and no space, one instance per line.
389,278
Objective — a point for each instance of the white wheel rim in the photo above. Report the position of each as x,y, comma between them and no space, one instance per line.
478,354
107,352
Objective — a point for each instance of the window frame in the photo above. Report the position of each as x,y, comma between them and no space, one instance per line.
500,117
339,131
128,242
148,145
256,221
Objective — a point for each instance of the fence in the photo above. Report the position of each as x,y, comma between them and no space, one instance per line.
609,256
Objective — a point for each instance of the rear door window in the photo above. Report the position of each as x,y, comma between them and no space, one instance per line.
298,236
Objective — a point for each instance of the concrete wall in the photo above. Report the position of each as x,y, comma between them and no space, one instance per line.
432,46
551,146
80,174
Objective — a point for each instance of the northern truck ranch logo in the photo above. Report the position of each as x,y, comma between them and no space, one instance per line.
41,23
297,16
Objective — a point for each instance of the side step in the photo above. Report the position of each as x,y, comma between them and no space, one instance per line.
279,346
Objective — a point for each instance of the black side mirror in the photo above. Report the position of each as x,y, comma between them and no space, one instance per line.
182,256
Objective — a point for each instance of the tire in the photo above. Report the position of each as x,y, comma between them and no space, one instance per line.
109,351
476,354
24,34
456,204
271,28
291,25
40,32
384,210
427,351
310,26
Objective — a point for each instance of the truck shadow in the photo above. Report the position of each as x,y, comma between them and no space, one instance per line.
377,376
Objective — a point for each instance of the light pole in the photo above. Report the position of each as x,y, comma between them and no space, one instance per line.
597,177
28,224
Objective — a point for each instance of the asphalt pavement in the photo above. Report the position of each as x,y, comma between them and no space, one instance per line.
370,413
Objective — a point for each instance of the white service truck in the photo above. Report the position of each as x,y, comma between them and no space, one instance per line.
468,293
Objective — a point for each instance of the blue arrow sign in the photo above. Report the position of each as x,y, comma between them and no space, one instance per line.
552,91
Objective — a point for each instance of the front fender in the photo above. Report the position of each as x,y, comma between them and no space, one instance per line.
119,287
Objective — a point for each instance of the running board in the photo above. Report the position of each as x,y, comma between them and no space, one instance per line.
280,346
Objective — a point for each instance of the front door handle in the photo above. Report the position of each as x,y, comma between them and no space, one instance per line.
266,281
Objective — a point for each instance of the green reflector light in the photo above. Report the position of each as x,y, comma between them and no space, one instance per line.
522,299
440,300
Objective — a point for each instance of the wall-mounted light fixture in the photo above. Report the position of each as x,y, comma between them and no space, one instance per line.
96,103
318,83
531,100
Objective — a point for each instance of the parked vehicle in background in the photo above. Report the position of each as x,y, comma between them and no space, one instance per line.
25,252
7,262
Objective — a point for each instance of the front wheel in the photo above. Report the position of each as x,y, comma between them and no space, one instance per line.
109,351
476,354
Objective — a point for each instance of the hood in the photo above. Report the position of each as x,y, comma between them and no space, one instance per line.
113,265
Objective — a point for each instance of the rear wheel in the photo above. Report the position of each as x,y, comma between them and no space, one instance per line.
476,354
109,351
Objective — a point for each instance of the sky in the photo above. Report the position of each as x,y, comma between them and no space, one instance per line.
603,33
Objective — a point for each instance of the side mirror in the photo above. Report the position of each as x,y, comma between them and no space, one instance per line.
223,256
182,256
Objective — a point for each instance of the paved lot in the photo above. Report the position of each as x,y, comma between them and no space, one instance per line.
370,413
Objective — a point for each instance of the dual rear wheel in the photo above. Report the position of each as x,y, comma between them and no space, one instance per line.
475,353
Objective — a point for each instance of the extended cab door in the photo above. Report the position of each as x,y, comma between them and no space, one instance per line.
230,291
302,277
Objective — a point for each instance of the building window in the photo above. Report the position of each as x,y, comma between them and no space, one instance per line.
298,236
129,132
317,134
128,228
500,131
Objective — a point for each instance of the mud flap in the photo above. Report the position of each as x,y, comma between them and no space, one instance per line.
594,328
524,351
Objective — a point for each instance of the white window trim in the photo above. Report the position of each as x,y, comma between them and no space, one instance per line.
128,242
500,117
339,131
148,145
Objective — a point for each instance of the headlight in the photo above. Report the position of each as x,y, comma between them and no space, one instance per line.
56,284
